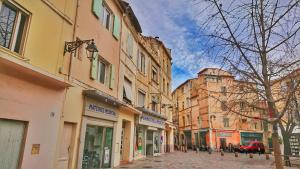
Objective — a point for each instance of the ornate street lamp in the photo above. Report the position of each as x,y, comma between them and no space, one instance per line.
70,47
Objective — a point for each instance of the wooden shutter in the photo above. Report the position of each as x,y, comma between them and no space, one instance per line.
11,139
116,30
112,77
94,66
97,8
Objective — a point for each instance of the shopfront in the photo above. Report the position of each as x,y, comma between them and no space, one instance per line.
98,133
247,137
149,134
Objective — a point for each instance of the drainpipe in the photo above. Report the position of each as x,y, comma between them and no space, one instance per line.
74,38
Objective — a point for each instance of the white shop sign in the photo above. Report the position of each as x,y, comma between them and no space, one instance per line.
100,110
152,121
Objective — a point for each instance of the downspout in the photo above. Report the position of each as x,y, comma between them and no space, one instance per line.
74,38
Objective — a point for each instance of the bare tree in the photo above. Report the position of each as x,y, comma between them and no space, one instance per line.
258,42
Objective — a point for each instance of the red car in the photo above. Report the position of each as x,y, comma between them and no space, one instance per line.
253,147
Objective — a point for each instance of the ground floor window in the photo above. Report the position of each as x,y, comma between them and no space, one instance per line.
11,140
140,140
97,147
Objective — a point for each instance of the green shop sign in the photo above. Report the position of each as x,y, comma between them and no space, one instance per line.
255,135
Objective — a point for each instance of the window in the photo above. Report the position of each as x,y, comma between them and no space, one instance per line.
107,15
154,74
141,62
168,89
223,106
12,23
182,105
102,69
226,122
127,91
223,90
183,120
164,87
141,99
242,106
188,119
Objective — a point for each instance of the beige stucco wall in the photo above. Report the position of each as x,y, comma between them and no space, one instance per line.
24,98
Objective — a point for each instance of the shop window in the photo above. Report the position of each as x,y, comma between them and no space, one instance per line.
127,91
226,122
154,74
140,140
13,24
97,147
141,99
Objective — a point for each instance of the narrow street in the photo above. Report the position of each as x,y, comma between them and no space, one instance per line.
202,160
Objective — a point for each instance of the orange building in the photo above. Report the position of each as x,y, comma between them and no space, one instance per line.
203,115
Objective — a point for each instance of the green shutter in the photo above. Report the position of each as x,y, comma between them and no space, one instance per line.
94,66
112,77
116,31
97,8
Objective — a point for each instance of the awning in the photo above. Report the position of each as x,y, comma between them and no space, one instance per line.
98,95
150,112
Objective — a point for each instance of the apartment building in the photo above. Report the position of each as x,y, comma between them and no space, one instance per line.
203,112
32,87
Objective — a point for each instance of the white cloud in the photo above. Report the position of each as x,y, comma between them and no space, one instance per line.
162,18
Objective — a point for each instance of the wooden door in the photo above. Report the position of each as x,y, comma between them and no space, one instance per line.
65,150
11,140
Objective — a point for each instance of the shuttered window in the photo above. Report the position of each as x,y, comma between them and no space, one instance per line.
97,8
127,94
141,99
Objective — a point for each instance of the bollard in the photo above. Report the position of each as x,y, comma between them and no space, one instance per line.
236,154
251,155
209,151
222,153
267,157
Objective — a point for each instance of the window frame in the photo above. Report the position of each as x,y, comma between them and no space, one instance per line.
138,98
226,122
154,78
106,69
111,14
19,11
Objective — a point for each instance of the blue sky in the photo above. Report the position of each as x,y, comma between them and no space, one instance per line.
179,29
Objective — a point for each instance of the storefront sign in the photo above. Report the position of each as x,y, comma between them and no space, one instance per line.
152,121
221,134
256,135
100,110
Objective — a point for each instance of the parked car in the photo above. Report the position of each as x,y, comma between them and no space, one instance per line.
253,147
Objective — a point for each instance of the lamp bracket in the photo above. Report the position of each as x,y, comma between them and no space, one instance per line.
70,47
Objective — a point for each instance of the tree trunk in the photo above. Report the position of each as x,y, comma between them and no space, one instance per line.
287,149
276,147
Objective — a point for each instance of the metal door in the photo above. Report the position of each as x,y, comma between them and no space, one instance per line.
11,140
65,147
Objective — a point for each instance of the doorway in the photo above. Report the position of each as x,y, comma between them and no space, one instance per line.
125,141
66,146
149,143
223,143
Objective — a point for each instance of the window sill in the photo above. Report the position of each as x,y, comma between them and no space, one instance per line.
13,54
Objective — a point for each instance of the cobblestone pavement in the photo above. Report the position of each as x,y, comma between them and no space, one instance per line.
202,160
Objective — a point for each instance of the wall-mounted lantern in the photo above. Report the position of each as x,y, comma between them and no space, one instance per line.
70,47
